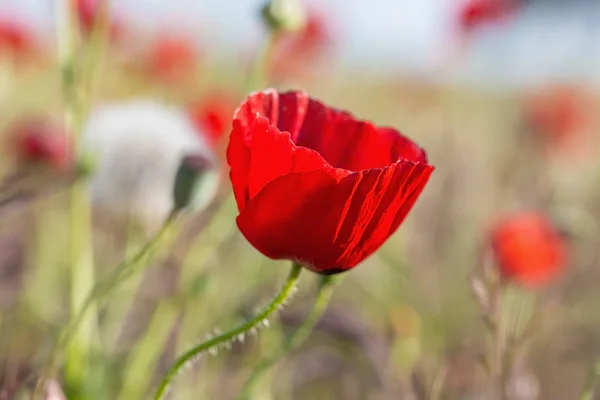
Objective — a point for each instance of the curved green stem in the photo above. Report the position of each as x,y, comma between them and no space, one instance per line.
295,339
260,318
120,274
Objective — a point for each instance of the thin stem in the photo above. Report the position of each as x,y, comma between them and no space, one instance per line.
82,263
496,351
590,382
259,74
97,45
120,274
278,301
296,339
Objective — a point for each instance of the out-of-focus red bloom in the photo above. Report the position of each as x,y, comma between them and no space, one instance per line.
15,39
172,58
560,115
89,13
298,50
316,185
212,115
476,13
42,143
529,249
470,17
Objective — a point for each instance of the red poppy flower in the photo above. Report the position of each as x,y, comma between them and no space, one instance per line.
476,13
15,39
38,142
561,116
315,185
529,249
212,115
88,13
172,58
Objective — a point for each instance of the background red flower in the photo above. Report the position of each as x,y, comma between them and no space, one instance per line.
212,115
529,249
89,13
172,58
15,39
562,117
297,51
476,13
316,185
41,142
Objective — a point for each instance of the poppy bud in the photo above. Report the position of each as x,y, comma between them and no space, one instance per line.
284,15
195,182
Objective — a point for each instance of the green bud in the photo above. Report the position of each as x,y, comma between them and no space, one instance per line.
284,15
195,183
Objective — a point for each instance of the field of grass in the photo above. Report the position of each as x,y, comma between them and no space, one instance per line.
403,325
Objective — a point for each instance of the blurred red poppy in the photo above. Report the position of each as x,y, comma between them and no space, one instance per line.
212,115
89,14
15,39
297,51
560,116
316,185
172,58
529,249
41,143
476,13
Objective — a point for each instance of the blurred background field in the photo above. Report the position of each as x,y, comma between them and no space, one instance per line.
405,325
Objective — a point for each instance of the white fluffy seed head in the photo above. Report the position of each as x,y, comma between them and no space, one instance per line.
137,148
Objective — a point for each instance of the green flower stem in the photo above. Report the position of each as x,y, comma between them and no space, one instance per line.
259,74
120,274
227,337
97,44
82,263
590,382
296,339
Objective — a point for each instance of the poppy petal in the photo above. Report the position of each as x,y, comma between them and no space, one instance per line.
341,139
238,158
288,219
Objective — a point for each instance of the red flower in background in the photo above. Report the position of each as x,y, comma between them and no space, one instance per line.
315,185
172,58
561,116
15,39
41,143
529,249
89,13
471,16
476,13
297,50
212,115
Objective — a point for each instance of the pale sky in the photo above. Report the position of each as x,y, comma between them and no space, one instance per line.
412,35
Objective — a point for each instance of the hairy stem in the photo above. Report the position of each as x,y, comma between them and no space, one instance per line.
278,301
296,339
